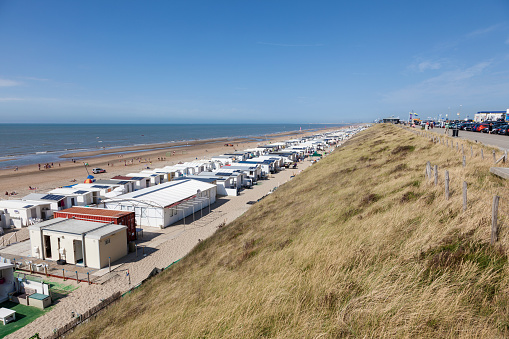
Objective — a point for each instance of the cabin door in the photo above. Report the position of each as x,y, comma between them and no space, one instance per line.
78,251
47,246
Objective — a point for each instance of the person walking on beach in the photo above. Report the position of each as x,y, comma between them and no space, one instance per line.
490,128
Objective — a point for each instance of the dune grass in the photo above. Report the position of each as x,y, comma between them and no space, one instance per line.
358,245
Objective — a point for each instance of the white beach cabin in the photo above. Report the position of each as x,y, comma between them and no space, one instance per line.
77,197
56,202
7,284
23,213
78,242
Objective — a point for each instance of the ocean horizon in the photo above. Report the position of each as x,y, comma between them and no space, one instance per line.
26,144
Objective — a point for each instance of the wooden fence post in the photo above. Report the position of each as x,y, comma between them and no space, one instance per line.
436,175
457,147
494,217
464,161
464,195
446,185
494,157
471,152
482,154
462,150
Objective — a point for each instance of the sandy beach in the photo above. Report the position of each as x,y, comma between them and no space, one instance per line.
125,160
167,245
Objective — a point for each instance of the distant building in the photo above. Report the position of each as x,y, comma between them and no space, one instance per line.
491,115
391,120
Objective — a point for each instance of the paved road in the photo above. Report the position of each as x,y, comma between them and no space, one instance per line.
500,141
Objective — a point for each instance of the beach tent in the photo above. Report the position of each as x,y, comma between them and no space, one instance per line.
165,204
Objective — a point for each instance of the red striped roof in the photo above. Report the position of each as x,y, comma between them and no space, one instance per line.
95,211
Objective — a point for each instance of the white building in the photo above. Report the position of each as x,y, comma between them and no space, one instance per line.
56,202
23,213
154,179
77,197
164,204
78,242
99,191
7,284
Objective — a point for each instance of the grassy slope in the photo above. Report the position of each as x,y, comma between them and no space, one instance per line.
357,245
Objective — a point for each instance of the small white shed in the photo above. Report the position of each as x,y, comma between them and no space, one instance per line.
78,242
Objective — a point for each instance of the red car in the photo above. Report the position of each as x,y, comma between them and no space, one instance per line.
480,127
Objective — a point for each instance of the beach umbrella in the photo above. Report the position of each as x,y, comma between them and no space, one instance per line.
89,181
90,177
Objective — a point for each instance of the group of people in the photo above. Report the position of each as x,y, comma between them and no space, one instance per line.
47,166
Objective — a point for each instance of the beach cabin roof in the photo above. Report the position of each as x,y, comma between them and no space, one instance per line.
144,175
90,229
255,161
200,177
21,204
68,191
242,167
46,197
167,194
128,178
111,182
75,210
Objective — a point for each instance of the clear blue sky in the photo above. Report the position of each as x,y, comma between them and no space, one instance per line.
250,61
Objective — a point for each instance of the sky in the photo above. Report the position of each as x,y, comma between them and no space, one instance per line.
263,61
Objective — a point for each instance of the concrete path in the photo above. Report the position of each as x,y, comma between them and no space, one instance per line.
500,141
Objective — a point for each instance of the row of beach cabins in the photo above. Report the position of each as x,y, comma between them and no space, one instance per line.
92,224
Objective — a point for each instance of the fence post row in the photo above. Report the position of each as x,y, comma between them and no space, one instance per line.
436,175
464,195
494,217
428,170
446,185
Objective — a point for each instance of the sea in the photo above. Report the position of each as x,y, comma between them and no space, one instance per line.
26,144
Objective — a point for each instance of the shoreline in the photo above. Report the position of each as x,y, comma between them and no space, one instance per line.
65,154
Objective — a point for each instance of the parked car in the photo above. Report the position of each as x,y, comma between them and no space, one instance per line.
470,127
466,126
98,170
480,127
502,130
